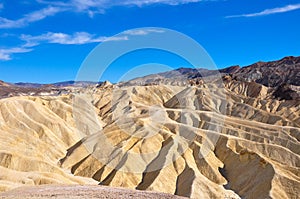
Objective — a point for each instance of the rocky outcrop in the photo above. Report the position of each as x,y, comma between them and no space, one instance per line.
272,74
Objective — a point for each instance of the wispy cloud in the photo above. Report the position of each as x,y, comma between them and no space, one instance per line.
110,3
1,6
66,39
77,38
92,7
144,31
85,4
287,8
6,53
29,18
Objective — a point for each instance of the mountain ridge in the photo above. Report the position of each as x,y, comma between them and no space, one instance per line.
192,72
282,75
257,72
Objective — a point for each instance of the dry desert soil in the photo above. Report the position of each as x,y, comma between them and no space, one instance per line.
78,192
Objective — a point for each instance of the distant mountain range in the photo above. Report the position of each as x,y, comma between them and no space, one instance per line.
270,74
58,84
282,75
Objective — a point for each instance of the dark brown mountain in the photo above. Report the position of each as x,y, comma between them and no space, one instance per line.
283,76
272,74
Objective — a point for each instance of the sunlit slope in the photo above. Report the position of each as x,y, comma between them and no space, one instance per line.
195,141
34,134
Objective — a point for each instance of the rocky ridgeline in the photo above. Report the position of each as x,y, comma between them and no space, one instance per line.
282,76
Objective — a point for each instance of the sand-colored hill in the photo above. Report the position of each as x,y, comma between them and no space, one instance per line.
194,141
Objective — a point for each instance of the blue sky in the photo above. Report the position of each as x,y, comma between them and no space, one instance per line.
46,41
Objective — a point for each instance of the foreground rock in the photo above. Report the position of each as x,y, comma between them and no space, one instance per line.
81,192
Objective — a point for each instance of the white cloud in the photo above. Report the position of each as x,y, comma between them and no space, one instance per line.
78,38
29,18
92,7
287,8
62,38
143,31
55,38
85,4
5,54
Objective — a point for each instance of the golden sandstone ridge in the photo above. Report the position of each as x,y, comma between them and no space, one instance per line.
256,153
192,140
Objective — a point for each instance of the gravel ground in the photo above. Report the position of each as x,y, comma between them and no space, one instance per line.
78,191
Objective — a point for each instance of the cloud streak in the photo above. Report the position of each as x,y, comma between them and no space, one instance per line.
29,18
287,8
77,38
6,53
144,31
92,7
140,3
86,4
